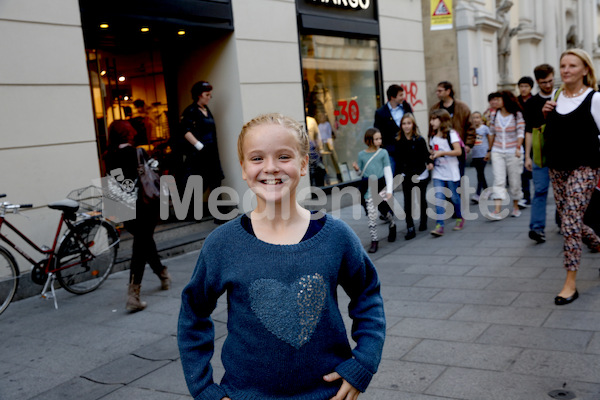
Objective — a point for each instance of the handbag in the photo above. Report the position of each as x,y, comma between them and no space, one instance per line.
150,181
537,140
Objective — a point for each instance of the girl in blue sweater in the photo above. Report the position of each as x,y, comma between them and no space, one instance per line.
280,266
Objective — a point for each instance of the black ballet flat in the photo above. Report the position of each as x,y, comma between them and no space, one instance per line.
561,301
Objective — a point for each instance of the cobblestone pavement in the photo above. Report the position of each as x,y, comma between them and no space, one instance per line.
470,316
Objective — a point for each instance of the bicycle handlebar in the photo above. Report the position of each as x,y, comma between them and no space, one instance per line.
2,195
25,205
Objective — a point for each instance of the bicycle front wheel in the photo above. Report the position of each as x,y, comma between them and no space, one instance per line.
86,256
9,278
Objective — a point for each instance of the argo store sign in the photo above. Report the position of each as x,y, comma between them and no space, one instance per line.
355,4
351,9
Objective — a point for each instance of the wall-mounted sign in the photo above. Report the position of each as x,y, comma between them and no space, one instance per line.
441,14
355,4
363,9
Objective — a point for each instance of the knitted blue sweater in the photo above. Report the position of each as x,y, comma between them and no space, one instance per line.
285,330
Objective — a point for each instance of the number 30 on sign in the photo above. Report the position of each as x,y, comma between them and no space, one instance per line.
349,112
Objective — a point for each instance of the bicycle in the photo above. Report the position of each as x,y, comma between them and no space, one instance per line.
81,261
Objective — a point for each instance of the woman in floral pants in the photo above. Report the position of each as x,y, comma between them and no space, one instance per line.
573,152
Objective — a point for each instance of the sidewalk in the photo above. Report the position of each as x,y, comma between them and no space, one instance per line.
470,316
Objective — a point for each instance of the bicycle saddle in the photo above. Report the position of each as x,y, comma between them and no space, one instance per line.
66,205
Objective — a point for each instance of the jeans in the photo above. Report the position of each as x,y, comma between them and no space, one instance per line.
541,181
438,184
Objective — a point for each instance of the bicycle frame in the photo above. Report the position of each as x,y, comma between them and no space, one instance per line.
46,251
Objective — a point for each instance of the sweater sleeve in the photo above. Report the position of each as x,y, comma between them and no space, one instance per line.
520,121
195,332
359,280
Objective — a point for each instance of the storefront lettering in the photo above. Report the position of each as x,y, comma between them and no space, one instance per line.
349,112
411,94
364,4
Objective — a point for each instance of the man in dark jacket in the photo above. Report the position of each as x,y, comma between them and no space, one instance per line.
387,119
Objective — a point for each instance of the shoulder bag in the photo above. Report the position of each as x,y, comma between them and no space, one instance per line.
537,140
150,181
368,162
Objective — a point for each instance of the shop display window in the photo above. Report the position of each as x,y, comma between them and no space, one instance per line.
342,82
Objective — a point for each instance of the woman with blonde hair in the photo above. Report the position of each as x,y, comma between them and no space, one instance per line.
572,148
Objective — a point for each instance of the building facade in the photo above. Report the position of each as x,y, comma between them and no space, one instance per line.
70,68
496,42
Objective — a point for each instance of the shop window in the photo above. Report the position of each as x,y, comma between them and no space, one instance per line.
342,82
132,87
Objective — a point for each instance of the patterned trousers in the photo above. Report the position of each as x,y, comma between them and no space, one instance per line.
372,215
572,192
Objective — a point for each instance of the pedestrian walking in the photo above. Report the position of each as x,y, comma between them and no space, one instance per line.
506,140
480,153
413,161
572,146
122,155
445,143
525,86
280,267
534,119
375,162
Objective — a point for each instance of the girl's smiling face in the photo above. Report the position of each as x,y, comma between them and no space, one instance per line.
272,165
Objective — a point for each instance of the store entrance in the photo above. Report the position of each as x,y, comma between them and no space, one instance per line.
131,87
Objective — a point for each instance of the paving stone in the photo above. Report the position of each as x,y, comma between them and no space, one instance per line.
454,282
407,293
484,261
505,271
556,364
470,384
462,296
28,382
581,320
403,308
168,379
502,315
438,329
123,370
472,251
134,393
526,285
396,347
468,355
163,349
457,270
407,376
84,388
383,394
536,338
594,345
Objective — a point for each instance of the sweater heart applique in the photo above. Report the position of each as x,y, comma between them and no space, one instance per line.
290,312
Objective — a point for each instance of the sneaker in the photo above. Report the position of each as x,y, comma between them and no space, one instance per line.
475,199
538,236
438,231
516,213
494,216
523,203
460,223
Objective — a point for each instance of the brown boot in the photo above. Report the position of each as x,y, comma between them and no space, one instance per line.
165,279
133,300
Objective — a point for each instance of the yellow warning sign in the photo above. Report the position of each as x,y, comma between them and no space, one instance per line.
441,14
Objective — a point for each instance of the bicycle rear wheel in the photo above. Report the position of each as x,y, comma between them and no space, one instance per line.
85,271
9,278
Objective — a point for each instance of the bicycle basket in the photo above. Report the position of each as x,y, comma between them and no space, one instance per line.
89,198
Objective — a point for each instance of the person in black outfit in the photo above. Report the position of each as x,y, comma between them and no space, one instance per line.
387,119
200,133
414,162
122,155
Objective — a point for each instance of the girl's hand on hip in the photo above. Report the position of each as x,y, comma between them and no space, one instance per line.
346,392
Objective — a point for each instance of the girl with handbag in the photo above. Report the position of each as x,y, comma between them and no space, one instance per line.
122,155
375,161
